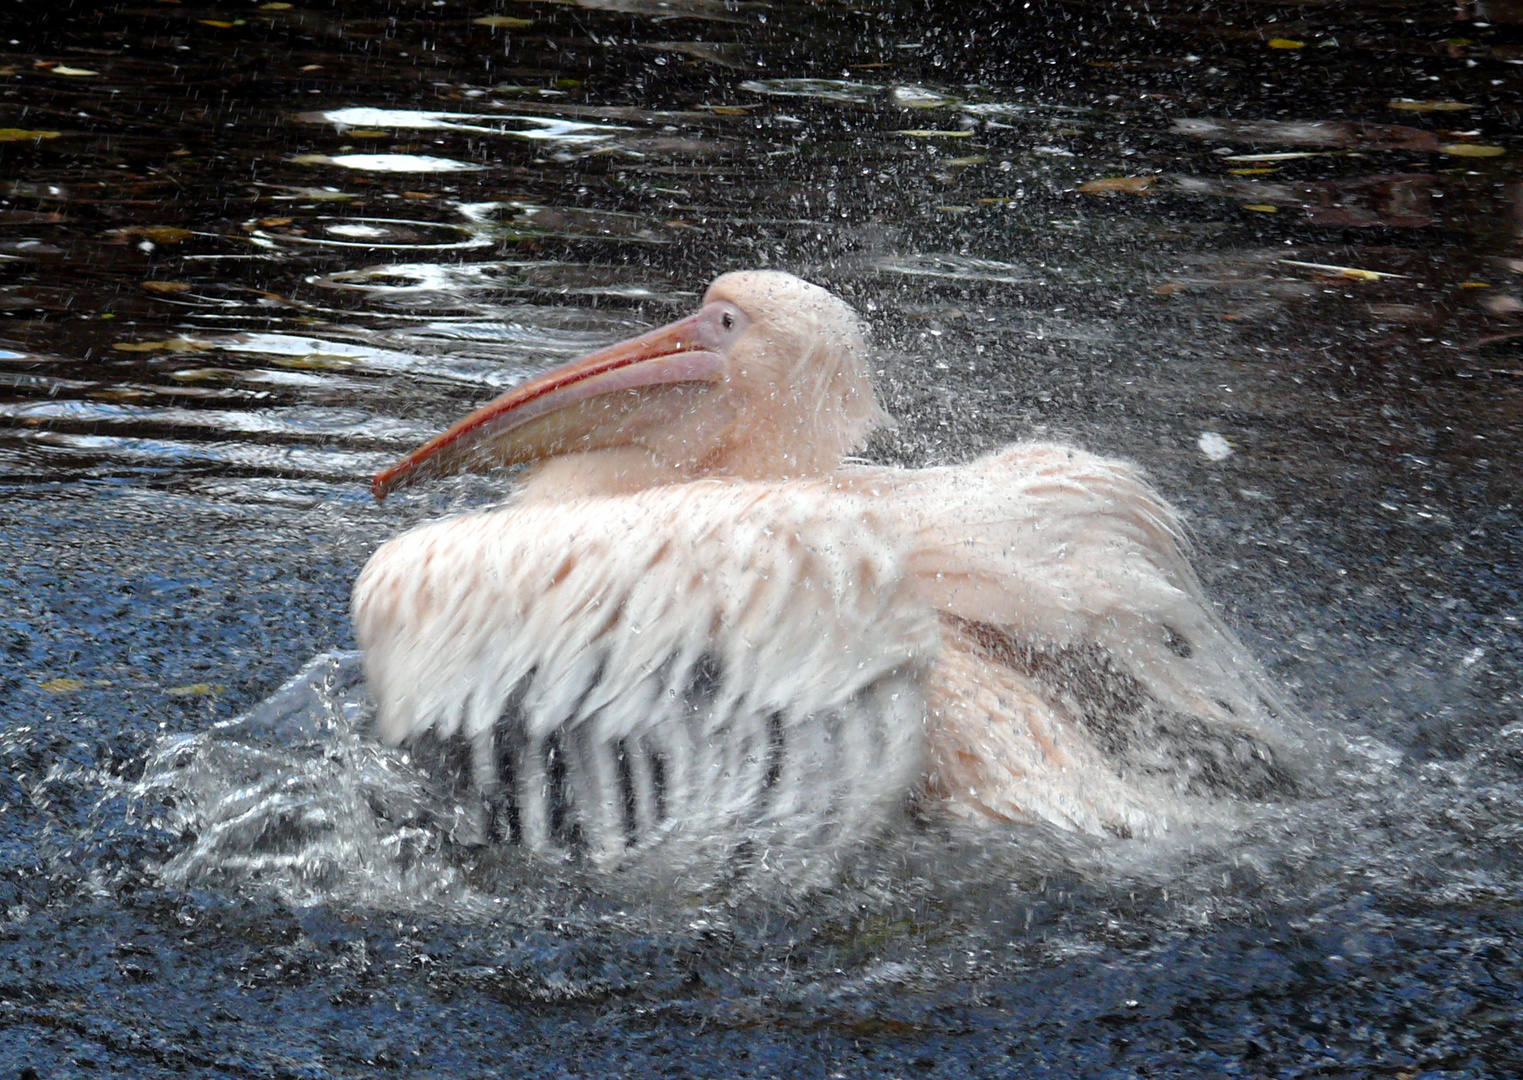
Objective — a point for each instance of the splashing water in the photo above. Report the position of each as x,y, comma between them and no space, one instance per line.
292,797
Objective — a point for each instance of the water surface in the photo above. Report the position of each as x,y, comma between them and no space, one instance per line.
254,252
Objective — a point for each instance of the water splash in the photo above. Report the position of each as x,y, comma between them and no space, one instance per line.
291,797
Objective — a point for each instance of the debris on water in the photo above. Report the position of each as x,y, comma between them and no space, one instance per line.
26,135
200,689
174,344
1137,185
1214,445
1428,106
1352,272
158,234
1287,155
1472,150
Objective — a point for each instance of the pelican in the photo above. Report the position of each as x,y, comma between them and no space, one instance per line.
699,626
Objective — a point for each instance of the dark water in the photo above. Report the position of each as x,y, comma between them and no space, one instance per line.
222,308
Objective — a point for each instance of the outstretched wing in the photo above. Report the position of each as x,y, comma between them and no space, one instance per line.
706,673
1065,580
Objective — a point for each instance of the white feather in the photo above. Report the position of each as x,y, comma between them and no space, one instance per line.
591,617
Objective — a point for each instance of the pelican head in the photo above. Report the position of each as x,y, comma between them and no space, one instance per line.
768,380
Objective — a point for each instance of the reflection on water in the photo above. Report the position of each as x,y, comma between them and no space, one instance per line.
1271,253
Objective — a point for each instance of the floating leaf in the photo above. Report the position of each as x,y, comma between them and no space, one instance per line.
220,24
1261,208
1286,43
274,7
503,22
26,135
63,685
175,344
727,110
1476,150
1169,288
62,69
1414,105
368,133
197,689
159,234
1352,272
1137,185
166,287
971,159
1289,155
1254,172
1475,285
934,133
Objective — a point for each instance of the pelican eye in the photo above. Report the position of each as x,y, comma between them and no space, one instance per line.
727,321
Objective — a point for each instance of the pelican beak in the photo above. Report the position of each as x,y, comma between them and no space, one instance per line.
505,432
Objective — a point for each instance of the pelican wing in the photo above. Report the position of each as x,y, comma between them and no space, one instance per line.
1071,576
708,668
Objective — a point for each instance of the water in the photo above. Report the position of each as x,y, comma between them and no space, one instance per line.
224,306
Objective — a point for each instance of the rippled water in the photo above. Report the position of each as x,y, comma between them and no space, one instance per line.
257,252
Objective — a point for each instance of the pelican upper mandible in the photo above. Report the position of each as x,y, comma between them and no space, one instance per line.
697,628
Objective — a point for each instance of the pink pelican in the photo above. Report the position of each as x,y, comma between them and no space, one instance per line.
696,616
